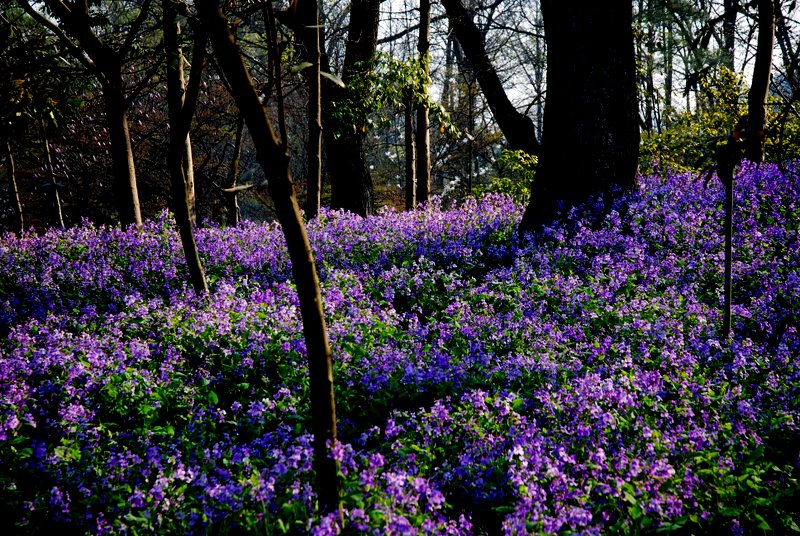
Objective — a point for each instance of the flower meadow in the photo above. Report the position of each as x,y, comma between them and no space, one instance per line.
569,383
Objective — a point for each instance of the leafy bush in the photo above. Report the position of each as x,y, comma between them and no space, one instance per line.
520,169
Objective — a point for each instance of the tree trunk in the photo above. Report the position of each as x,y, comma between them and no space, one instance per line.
790,49
182,188
423,136
591,121
188,173
731,8
274,161
51,178
518,128
309,17
234,214
124,170
759,87
351,181
410,150
11,172
668,69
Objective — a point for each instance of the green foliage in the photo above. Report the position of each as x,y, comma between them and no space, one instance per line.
689,140
520,170
381,85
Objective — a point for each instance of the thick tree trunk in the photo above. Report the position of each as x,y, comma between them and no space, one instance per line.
274,161
591,121
423,136
759,87
518,128
178,154
123,167
11,173
351,181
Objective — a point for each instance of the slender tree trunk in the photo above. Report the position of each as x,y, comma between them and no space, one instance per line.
591,124
759,87
234,213
51,177
727,286
668,70
274,161
182,189
11,172
124,170
411,164
449,71
518,128
790,48
309,16
644,51
539,75
423,136
188,173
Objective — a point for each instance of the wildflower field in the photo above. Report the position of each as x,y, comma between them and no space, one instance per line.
575,383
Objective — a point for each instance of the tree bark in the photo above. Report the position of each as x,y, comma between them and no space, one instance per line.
730,10
124,169
51,177
177,156
759,87
518,129
351,181
11,173
234,213
309,17
410,150
423,135
591,121
274,161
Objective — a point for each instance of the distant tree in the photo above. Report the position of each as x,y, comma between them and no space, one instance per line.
590,141
39,97
410,148
518,129
85,31
422,140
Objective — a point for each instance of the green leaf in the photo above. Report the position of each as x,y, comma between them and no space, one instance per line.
213,399
301,66
333,78
762,523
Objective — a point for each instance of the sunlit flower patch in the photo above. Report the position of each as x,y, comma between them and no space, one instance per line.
570,383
